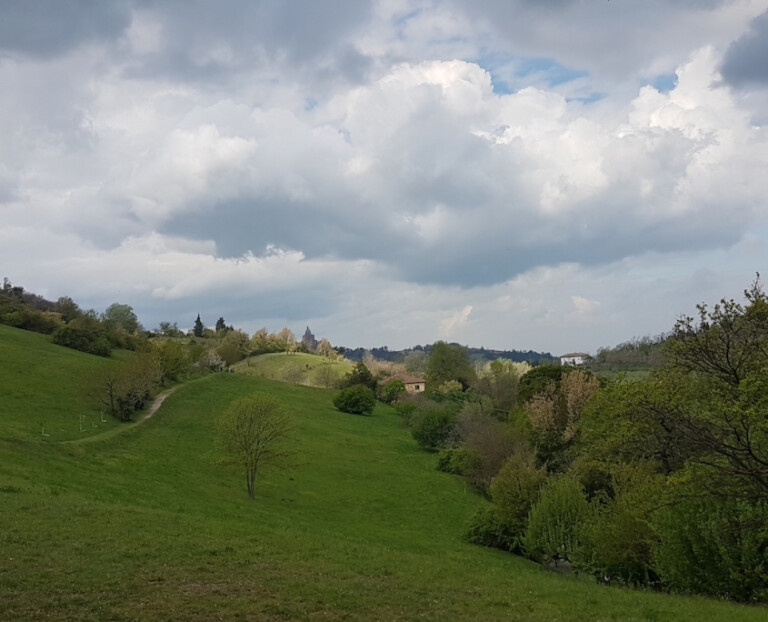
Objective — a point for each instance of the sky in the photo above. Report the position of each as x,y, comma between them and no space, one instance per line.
557,175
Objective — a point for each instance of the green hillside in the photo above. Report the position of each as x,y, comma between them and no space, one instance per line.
42,383
145,525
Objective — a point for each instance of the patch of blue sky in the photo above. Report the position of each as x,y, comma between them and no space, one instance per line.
592,98
499,66
508,73
553,72
665,83
310,103
405,18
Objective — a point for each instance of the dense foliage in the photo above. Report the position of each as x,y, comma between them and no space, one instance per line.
659,482
357,400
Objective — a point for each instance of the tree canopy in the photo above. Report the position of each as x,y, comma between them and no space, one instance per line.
121,317
449,361
251,433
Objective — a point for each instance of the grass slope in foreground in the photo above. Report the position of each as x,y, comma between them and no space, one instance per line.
145,526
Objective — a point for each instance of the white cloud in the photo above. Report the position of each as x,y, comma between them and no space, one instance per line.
451,326
371,173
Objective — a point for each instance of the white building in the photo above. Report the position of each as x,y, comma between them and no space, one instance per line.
574,358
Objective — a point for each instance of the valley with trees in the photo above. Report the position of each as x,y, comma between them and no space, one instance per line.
282,479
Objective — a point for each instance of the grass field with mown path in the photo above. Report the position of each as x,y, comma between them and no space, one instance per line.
146,525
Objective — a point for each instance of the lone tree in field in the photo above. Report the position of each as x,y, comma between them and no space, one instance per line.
251,434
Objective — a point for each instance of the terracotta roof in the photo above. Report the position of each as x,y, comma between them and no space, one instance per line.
405,378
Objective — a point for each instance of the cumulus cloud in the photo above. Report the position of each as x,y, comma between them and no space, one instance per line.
393,171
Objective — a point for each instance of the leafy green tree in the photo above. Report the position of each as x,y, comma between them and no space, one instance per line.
717,547
514,491
617,539
123,388
234,347
416,362
252,433
555,521
120,317
286,340
168,329
637,422
537,380
488,440
555,417
174,359
392,391
68,308
210,359
357,399
728,342
449,361
498,380
432,424
360,374
706,407
325,349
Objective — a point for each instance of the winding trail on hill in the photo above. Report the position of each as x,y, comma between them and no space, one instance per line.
153,408
157,403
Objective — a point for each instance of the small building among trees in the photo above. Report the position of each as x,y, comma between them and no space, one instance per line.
413,384
574,358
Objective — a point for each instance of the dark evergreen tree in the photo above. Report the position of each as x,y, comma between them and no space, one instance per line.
198,329
221,325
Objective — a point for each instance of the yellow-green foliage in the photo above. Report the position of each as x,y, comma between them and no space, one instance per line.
296,368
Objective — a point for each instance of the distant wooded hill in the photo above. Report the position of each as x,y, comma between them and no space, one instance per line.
476,354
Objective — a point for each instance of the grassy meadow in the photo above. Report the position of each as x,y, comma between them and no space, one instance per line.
44,389
146,525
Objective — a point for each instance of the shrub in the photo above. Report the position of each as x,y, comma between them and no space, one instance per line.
26,318
83,339
357,399
714,546
514,491
457,461
432,425
491,441
617,545
406,409
360,374
489,528
391,391
555,521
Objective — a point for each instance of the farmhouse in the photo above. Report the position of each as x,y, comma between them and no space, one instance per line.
574,358
413,384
